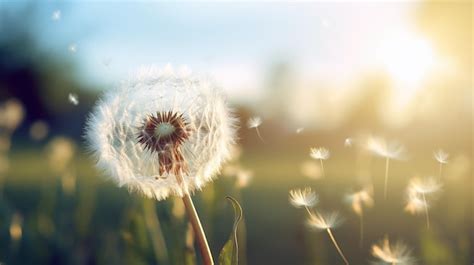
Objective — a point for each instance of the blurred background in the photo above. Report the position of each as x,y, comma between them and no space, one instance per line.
318,74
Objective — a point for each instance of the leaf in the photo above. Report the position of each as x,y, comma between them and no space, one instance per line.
230,252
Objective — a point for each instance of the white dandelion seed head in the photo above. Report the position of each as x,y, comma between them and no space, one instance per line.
323,221
56,15
441,156
397,253
319,153
424,185
254,122
360,199
161,134
73,99
380,147
303,197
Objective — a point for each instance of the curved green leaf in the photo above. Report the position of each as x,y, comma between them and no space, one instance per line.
230,252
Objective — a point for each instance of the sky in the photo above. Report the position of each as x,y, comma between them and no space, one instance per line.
236,43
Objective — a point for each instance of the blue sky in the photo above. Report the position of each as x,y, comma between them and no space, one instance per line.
235,42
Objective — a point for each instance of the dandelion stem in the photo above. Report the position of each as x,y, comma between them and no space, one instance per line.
426,212
198,230
322,167
361,242
258,133
153,225
337,246
387,160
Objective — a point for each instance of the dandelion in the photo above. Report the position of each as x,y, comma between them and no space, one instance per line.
358,200
420,188
73,99
320,154
73,48
56,15
303,198
442,157
161,134
397,253
255,122
326,222
390,150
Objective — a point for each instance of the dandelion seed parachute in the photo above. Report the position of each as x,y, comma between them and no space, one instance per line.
157,128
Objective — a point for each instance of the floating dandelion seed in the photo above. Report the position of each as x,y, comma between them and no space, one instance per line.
390,150
417,191
326,222
442,157
299,130
73,99
56,15
161,135
303,198
255,122
348,142
397,253
320,154
358,200
73,48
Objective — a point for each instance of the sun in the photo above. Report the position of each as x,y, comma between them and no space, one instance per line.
408,59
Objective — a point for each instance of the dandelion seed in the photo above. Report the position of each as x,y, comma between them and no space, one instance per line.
73,99
358,200
56,15
299,130
348,142
326,222
417,191
390,150
73,48
255,122
320,154
303,198
161,134
397,253
442,157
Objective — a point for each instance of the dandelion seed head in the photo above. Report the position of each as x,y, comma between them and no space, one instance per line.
424,185
441,156
380,147
360,199
415,203
254,122
73,99
319,153
397,253
323,221
303,197
158,127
